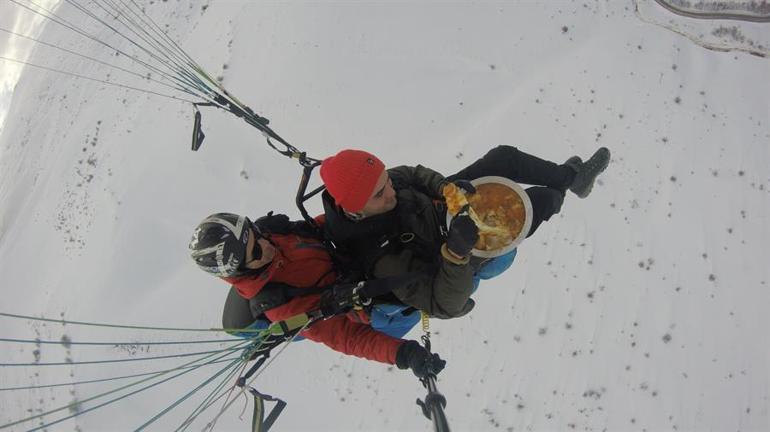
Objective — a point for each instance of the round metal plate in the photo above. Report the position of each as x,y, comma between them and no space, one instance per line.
527,220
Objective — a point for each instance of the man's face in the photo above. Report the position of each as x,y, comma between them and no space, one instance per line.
268,251
383,198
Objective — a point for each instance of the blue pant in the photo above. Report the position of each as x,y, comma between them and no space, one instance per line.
493,268
387,318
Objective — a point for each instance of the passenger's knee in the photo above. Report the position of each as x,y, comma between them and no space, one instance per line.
502,151
545,201
557,199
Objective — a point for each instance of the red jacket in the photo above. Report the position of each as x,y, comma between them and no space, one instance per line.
304,262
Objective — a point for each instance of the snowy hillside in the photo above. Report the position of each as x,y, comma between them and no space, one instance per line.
641,308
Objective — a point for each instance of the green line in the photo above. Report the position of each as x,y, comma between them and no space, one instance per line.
210,425
96,380
203,405
67,343
111,392
95,79
61,321
261,369
208,402
41,427
120,360
186,396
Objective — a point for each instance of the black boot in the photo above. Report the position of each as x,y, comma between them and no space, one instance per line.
586,172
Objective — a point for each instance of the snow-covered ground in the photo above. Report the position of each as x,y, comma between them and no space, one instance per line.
640,308
17,26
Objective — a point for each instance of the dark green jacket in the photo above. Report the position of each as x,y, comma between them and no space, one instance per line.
407,239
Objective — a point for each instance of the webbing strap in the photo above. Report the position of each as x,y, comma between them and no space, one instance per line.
258,421
258,417
262,358
285,327
377,287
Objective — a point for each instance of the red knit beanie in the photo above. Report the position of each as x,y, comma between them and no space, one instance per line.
350,177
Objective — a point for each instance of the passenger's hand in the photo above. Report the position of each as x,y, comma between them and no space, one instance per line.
463,234
466,186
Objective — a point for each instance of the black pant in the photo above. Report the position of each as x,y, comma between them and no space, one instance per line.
551,180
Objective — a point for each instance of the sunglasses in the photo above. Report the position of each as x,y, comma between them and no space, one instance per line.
256,252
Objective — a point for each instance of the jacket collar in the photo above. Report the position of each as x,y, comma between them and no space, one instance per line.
340,228
248,286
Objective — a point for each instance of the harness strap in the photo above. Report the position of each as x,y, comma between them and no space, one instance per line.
242,380
277,294
301,292
289,325
377,287
441,209
258,421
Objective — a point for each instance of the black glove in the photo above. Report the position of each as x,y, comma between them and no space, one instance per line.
338,299
412,355
466,186
463,234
